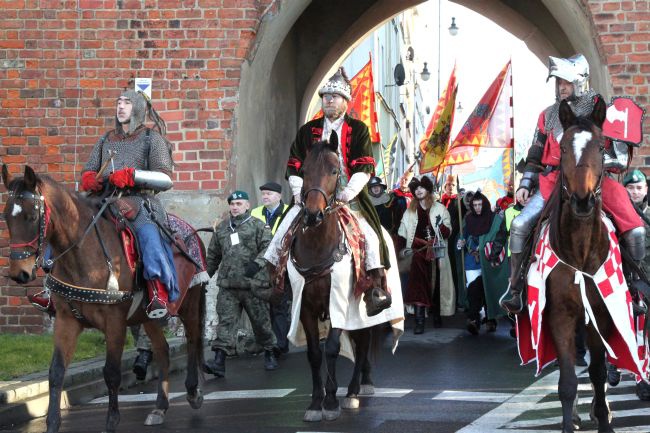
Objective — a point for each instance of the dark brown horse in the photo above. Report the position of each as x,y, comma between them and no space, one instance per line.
40,211
318,242
579,237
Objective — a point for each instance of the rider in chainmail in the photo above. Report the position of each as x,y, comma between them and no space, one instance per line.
541,174
137,161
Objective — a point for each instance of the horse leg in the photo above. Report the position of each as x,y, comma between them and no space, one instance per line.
314,355
367,386
351,400
563,325
161,355
66,332
115,336
331,408
192,315
600,411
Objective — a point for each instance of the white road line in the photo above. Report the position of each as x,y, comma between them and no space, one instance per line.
487,397
556,420
253,393
130,398
379,392
526,400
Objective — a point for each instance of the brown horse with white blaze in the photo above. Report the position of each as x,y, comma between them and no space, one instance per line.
579,237
38,212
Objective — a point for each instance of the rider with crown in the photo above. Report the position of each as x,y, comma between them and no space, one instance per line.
357,166
542,169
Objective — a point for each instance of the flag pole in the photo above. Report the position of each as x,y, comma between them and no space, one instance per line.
460,231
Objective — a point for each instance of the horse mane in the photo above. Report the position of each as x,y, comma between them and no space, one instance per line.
17,185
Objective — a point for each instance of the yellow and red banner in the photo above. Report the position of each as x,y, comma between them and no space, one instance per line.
434,144
490,124
362,104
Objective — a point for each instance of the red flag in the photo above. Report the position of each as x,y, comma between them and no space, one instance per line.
490,124
362,103
434,144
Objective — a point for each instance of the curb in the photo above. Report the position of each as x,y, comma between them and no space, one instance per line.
27,397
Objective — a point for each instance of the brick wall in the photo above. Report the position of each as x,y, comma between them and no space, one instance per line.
63,62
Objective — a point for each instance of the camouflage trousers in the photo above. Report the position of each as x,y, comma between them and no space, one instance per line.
230,303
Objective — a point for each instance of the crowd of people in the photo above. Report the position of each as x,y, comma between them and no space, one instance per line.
456,250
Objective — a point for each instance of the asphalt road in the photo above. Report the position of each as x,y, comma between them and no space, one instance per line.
445,380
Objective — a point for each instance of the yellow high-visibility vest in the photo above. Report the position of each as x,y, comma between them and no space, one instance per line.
258,213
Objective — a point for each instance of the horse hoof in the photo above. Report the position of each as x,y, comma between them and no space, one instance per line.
350,403
313,416
156,417
196,400
367,389
331,415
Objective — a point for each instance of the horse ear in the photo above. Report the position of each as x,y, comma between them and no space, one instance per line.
599,112
30,178
333,143
6,177
567,118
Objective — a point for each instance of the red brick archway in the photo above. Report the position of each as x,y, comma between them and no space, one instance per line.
232,78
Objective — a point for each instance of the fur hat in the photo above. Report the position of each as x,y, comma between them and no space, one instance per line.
425,182
338,84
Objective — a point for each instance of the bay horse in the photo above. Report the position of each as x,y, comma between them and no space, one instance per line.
41,211
318,242
580,239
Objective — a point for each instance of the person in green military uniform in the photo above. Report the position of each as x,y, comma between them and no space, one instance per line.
236,250
356,167
636,184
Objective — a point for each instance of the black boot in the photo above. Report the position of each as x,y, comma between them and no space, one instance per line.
377,298
216,366
141,363
613,375
270,363
511,301
419,320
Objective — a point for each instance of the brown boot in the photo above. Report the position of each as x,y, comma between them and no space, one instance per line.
377,298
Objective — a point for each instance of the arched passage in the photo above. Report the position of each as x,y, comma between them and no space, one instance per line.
302,43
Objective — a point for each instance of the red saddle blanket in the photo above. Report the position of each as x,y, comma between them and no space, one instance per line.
626,348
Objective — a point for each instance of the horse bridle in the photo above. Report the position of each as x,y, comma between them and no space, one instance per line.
598,189
37,243
330,202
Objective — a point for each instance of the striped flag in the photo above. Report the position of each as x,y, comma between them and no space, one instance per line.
389,158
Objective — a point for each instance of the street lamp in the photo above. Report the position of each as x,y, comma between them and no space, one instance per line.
425,74
459,108
453,28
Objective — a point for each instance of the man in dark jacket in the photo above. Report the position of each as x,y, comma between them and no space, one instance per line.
236,250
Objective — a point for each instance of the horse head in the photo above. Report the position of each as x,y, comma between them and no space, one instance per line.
25,215
582,145
321,171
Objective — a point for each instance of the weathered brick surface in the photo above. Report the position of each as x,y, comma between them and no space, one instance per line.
63,62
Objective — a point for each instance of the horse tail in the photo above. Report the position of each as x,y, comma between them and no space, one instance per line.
202,313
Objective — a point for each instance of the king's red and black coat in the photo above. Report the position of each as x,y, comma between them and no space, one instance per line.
357,157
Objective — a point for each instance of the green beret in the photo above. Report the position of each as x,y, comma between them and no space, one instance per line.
237,195
634,176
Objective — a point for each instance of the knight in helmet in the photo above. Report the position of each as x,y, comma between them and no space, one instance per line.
542,169
357,165
137,161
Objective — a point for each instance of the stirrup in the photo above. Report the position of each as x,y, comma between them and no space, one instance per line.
42,303
509,304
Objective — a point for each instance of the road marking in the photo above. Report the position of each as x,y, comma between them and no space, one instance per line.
379,392
130,398
556,420
488,397
253,393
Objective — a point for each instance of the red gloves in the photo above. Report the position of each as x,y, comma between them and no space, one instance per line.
123,178
89,181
